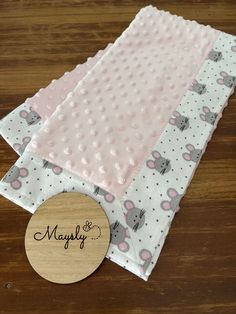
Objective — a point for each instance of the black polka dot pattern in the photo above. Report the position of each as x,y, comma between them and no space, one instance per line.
154,194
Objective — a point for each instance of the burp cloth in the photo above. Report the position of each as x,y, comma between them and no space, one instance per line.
19,125
105,129
141,219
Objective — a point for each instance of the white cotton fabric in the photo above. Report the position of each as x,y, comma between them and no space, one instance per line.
141,219
18,127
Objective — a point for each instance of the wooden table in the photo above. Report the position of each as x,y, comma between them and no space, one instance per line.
40,40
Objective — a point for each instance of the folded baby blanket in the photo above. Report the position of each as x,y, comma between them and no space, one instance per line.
110,114
133,130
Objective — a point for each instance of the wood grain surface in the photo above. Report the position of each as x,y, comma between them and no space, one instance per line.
67,238
196,272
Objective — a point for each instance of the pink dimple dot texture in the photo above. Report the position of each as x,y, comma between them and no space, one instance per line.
47,99
148,69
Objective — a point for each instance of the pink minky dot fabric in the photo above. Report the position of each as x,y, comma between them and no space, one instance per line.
108,125
47,99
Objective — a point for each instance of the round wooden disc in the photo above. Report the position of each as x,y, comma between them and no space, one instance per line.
67,238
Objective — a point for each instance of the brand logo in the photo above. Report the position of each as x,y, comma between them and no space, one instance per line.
81,234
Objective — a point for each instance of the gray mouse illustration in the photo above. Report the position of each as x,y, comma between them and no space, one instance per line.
135,217
31,117
48,165
227,80
146,257
173,204
198,87
13,175
107,196
193,155
208,116
118,235
161,164
180,121
215,55
20,148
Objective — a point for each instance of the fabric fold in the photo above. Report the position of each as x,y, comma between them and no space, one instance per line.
105,129
18,127
140,219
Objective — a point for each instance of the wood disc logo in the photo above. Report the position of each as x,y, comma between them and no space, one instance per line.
67,238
